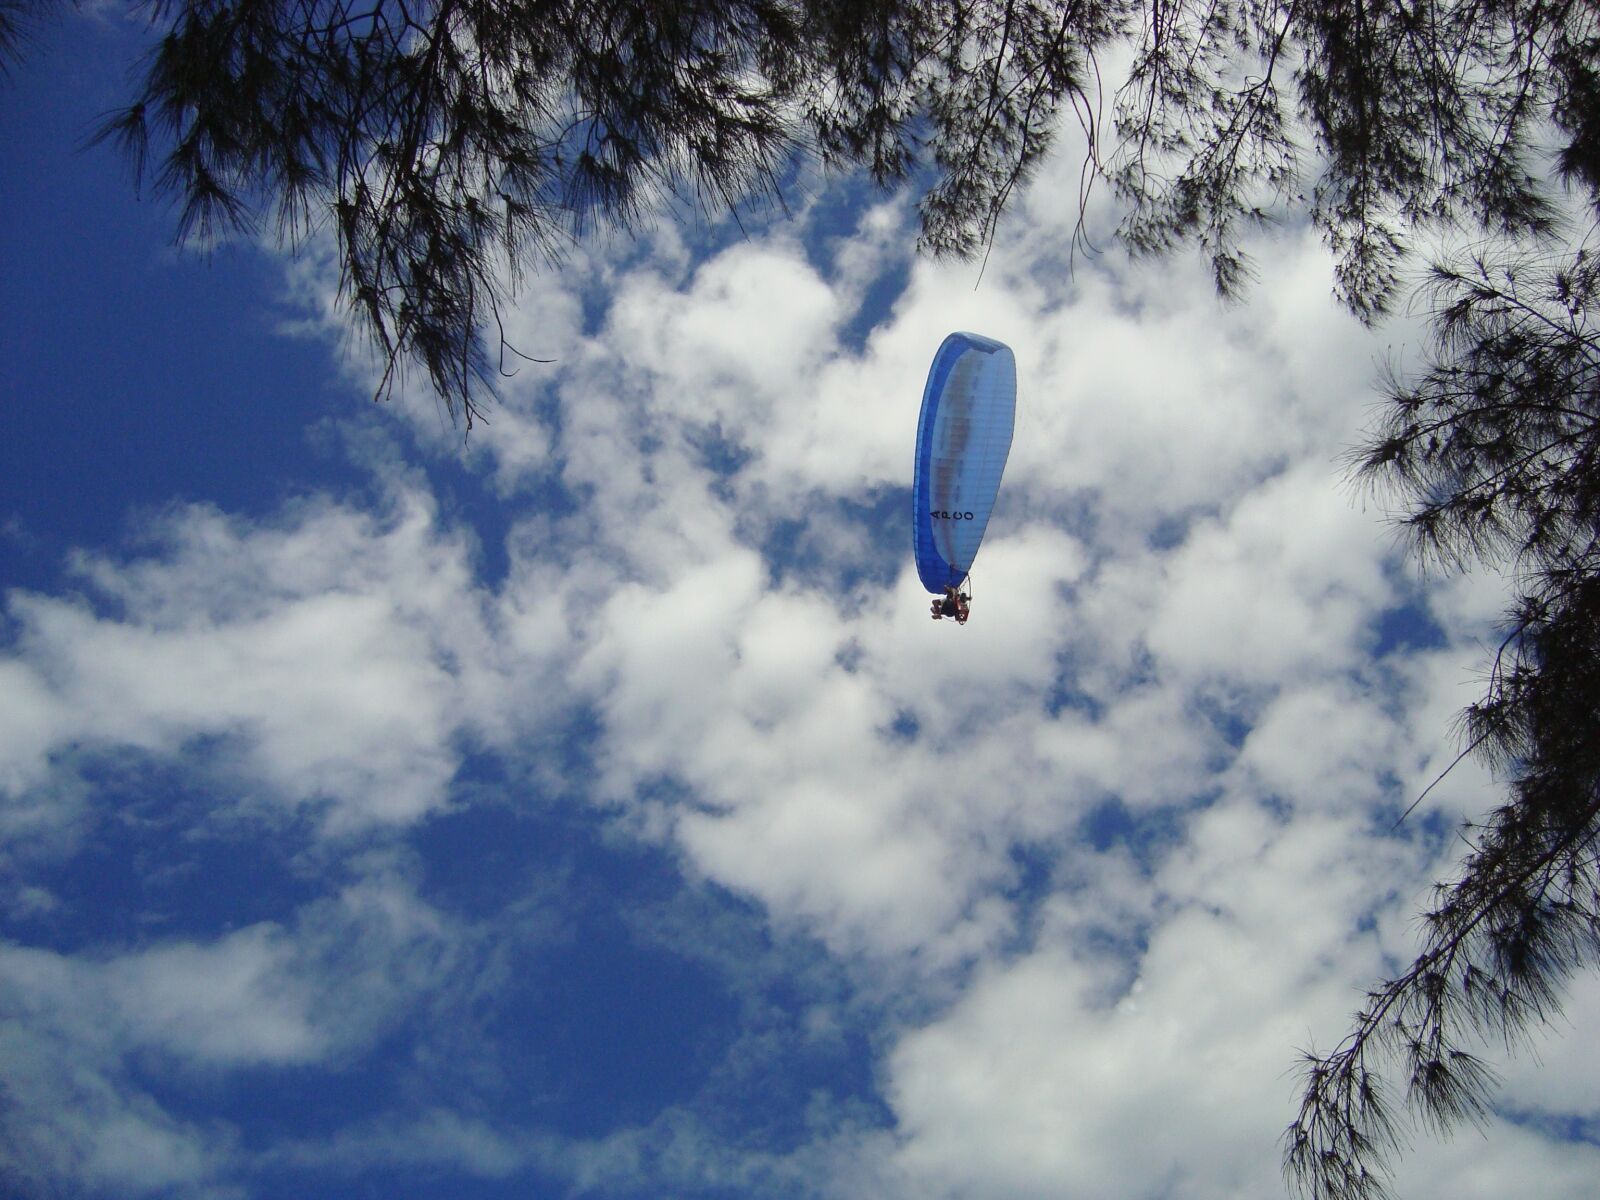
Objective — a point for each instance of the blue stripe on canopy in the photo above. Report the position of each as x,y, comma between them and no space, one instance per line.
963,438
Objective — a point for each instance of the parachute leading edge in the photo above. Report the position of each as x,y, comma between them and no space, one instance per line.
969,409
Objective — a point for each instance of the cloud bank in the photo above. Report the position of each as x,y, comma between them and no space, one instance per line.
1042,907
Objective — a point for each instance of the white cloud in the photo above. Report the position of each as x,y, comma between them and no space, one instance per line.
265,994
1174,633
340,654
1175,558
1502,1160
1045,1081
1558,1071
1288,587
266,997
1326,745
68,1124
1216,572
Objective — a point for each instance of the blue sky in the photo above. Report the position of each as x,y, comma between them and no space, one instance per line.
589,808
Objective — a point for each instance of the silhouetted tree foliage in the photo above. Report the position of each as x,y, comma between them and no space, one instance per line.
450,144
19,21
1495,447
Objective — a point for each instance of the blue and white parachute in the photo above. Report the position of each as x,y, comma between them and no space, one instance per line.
963,438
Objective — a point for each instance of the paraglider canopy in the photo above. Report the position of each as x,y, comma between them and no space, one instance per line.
963,439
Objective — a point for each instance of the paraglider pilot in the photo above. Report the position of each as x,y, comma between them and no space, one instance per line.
951,604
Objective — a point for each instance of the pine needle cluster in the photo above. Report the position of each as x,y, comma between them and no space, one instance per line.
452,144
1495,449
